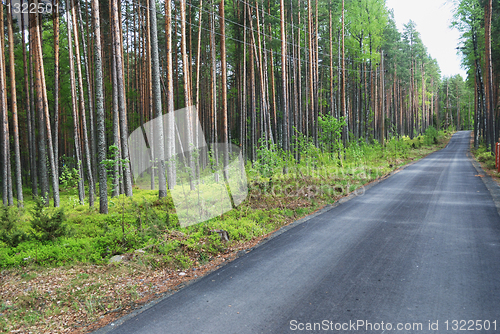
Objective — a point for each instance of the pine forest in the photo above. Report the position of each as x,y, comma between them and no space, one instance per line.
174,134
272,81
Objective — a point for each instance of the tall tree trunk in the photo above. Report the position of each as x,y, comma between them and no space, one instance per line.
82,107
92,143
52,162
243,129
187,92
149,95
17,153
198,57
225,137
31,139
382,84
117,45
55,3
99,99
286,134
312,96
159,143
76,128
171,169
490,135
116,130
213,85
4,114
342,90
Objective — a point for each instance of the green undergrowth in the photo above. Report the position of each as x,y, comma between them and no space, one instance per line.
484,156
282,188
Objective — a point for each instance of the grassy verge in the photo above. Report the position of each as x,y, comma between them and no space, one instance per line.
66,283
487,161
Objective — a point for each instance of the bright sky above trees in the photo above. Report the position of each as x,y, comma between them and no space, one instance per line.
433,18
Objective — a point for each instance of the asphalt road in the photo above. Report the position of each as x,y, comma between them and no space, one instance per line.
417,250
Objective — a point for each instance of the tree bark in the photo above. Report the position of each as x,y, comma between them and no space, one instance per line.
92,143
225,138
159,143
171,169
117,45
286,134
99,99
56,85
31,139
19,184
490,135
76,129
82,107
342,89
4,119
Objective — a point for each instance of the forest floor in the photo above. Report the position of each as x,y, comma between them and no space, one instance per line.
80,298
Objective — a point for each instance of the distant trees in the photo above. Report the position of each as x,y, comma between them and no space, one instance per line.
479,23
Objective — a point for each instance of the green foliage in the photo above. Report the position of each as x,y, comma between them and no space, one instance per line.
10,233
331,132
47,226
431,136
483,155
69,177
268,158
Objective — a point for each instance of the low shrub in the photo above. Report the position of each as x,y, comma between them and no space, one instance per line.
47,226
431,136
10,233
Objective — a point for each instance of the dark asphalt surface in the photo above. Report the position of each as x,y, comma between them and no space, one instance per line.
422,246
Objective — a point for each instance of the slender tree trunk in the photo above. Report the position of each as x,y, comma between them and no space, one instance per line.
187,92
253,129
31,139
81,188
52,162
343,104
213,85
4,119
82,107
312,96
19,184
116,130
171,169
55,3
159,143
490,135
149,95
198,57
382,118
99,97
33,107
244,127
224,115
286,134
92,143
117,45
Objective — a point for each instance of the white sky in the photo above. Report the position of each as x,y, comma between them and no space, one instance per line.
433,19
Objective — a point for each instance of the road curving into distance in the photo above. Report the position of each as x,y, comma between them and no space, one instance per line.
417,253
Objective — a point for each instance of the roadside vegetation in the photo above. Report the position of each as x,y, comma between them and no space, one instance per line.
485,157
55,262
487,160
